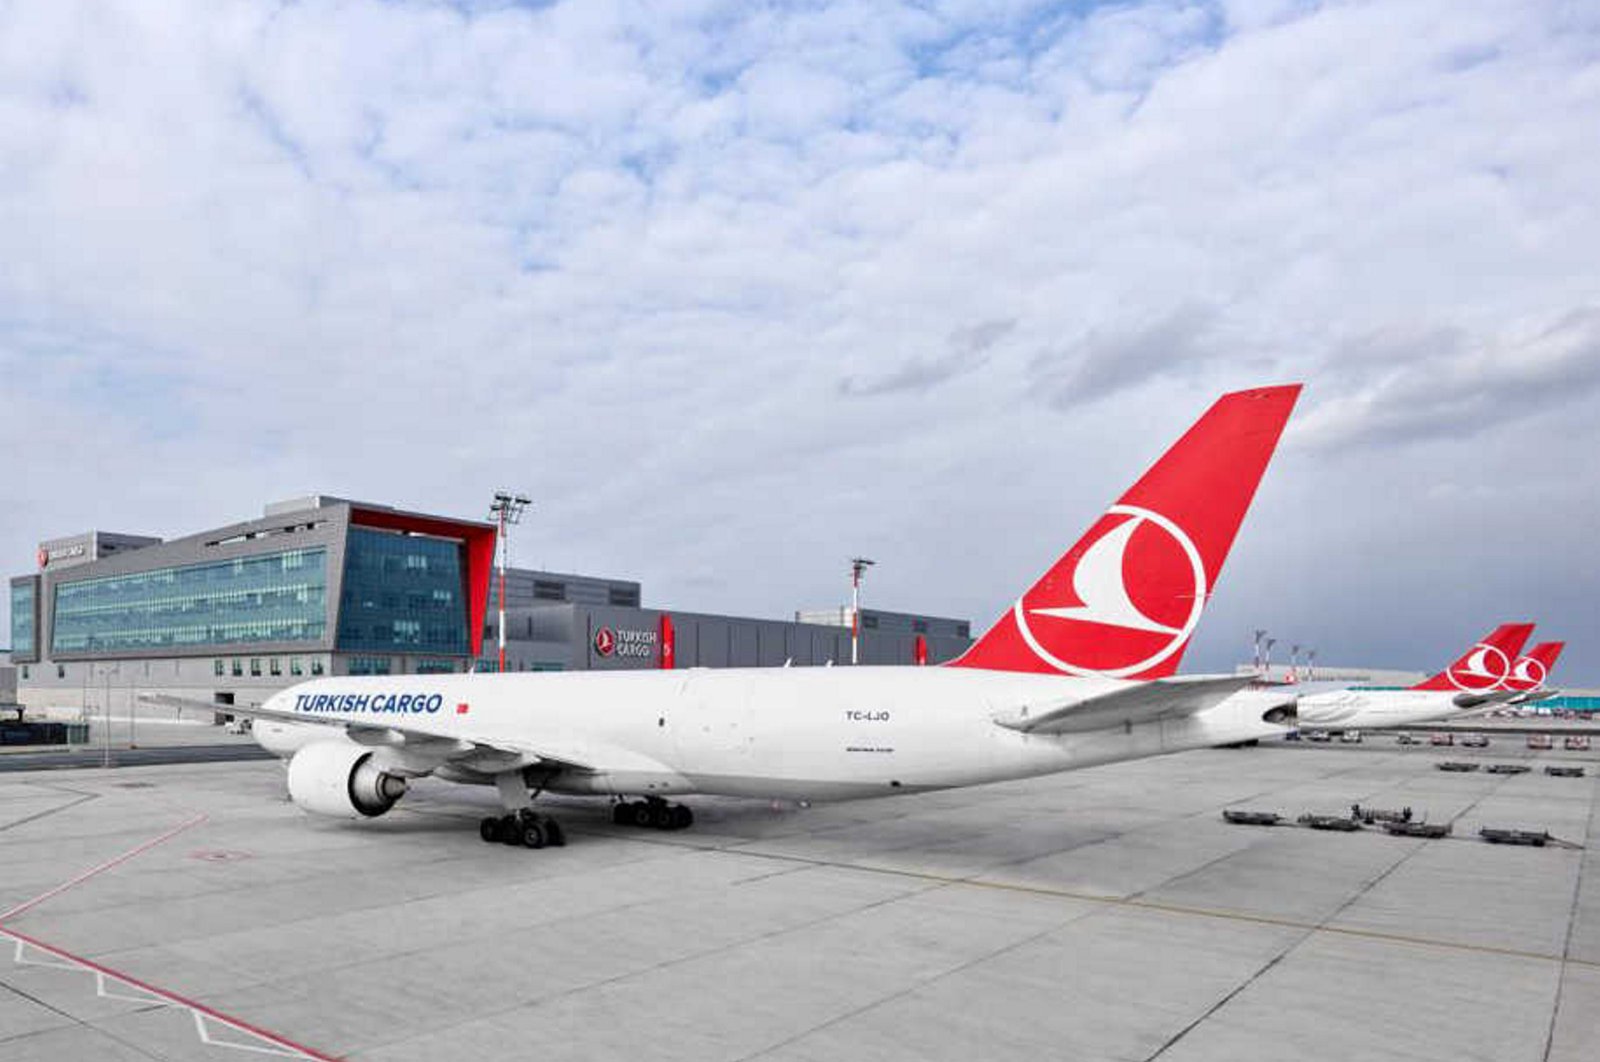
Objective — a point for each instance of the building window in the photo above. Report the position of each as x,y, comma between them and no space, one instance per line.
238,667
869,622
294,666
919,626
24,672
216,668
316,665
623,596
61,671
402,593
274,666
255,667
545,590
24,621
273,597
369,665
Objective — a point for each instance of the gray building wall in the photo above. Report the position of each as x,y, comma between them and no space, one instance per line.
563,637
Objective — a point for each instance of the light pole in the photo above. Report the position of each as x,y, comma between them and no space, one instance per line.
1294,655
1266,657
1260,634
506,509
1311,665
858,565
105,742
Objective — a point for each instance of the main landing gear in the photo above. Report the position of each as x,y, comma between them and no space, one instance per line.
520,824
525,827
652,812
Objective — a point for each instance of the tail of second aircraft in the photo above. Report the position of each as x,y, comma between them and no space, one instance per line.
1124,601
1484,667
1531,671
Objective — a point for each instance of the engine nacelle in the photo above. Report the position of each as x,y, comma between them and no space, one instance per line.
340,779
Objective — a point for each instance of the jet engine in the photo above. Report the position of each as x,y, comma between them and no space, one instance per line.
341,779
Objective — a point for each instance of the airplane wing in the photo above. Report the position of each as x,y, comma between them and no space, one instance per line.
1144,702
422,750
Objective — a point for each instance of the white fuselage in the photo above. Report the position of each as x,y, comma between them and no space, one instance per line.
798,733
1372,709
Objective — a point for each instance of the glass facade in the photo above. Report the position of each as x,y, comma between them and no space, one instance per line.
274,597
24,624
402,593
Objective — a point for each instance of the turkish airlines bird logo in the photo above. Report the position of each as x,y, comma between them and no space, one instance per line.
1482,669
1529,674
1137,591
605,642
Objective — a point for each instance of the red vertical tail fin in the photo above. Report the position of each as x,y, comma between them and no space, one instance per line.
1532,669
1484,667
1124,601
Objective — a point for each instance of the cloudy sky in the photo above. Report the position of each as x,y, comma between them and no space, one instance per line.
738,290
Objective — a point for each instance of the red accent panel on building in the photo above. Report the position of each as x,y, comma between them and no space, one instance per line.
667,658
919,651
479,540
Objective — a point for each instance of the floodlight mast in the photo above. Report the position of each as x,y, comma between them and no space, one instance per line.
858,565
506,510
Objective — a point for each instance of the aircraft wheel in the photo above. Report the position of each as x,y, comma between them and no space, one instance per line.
641,814
682,818
531,835
554,835
489,830
661,816
510,830
622,814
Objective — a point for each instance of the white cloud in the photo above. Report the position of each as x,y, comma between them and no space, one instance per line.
623,255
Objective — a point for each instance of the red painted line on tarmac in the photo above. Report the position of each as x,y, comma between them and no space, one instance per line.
107,865
169,996
129,980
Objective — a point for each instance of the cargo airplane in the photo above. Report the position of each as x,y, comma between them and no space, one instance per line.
1080,671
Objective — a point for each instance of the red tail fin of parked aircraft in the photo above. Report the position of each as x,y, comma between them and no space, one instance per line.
1486,665
1532,669
1124,601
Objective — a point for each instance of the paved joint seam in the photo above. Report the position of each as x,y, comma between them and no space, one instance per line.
1312,930
931,885
1572,922
919,985
48,812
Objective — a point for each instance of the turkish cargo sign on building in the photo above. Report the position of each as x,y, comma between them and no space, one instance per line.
625,643
49,556
633,645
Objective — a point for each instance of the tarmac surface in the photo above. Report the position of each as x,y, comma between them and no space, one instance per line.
190,912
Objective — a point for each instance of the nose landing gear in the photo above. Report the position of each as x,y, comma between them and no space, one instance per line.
652,812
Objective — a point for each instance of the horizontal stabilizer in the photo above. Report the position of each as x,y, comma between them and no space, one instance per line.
1142,702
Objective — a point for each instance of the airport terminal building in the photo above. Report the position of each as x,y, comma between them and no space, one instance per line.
329,586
